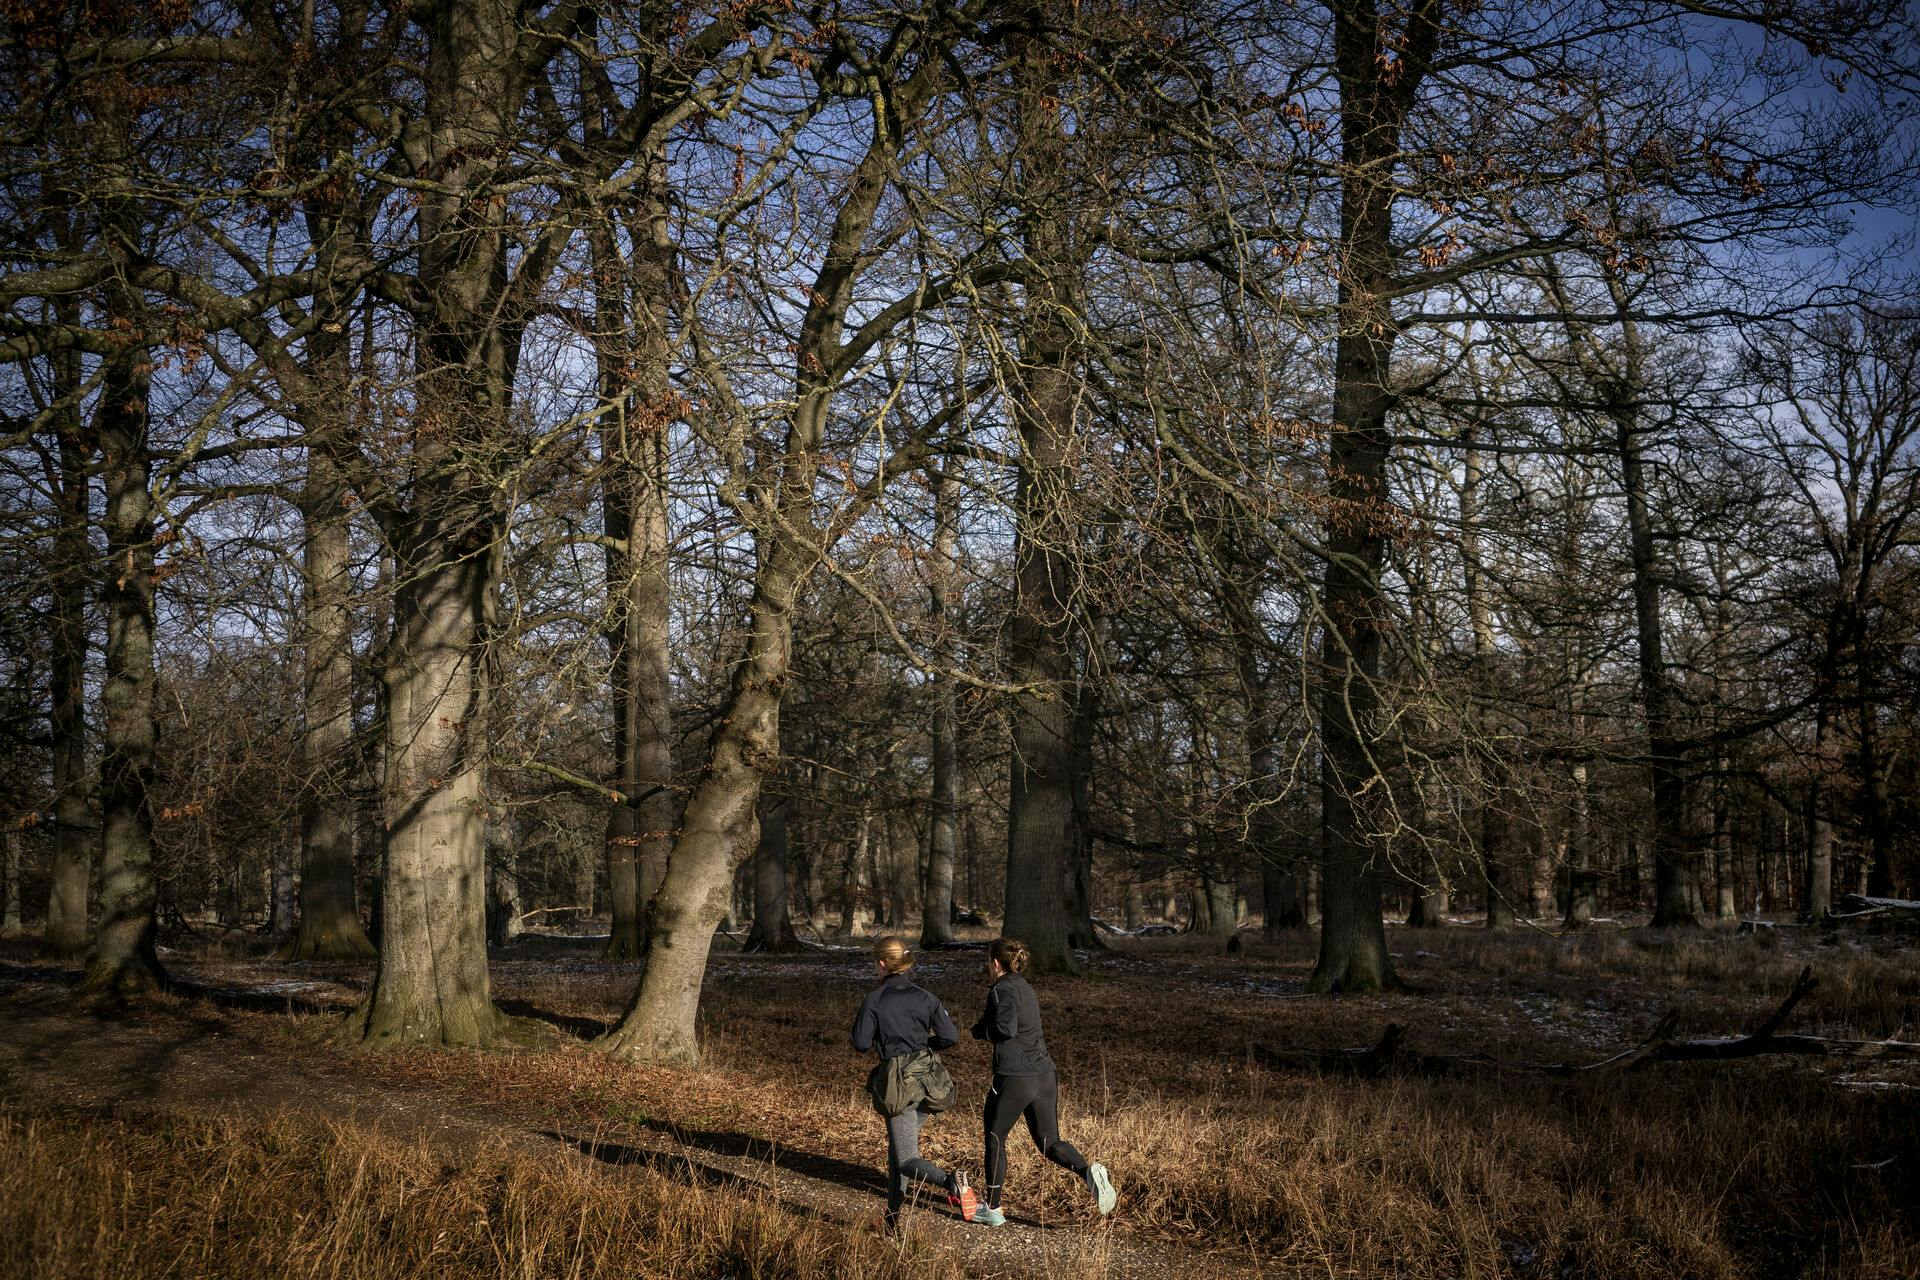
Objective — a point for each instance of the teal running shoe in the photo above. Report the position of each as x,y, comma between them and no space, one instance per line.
1101,1186
989,1217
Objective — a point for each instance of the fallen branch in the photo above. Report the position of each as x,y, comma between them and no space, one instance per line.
1391,1055
1856,906
1860,902
541,911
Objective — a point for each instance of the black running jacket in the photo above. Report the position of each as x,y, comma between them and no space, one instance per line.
1012,1023
900,1017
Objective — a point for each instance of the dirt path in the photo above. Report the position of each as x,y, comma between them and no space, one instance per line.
193,1056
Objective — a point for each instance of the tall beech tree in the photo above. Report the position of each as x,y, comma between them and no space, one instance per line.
633,348
1379,63
123,962
943,816
771,486
1042,635
329,925
68,478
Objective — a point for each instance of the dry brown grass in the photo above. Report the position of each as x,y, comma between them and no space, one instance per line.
191,1196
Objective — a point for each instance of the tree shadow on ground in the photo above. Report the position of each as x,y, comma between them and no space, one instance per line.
127,1058
26,973
578,1027
259,1001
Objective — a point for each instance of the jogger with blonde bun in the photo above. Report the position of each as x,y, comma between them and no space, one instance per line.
906,1023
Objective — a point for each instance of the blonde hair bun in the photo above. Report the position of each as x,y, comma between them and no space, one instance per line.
892,954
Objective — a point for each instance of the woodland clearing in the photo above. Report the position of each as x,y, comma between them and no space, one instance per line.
224,1124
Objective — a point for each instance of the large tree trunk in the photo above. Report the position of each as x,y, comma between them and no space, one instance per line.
718,827
1280,895
1279,883
1040,638
854,856
1078,894
1432,900
432,983
936,913
283,883
503,880
1496,855
1876,829
903,858
1492,836
1719,783
123,961
772,920
66,935
14,920
1817,902
1223,917
1672,903
632,340
879,895
330,926
1579,852
1373,109
1724,906
432,986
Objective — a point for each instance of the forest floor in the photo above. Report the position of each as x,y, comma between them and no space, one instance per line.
226,1130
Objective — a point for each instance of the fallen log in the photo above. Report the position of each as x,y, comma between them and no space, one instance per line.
1860,902
1857,908
1391,1055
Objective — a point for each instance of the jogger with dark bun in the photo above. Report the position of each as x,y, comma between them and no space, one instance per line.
906,1023
1024,1083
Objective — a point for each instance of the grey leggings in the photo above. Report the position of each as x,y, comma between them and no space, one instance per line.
904,1162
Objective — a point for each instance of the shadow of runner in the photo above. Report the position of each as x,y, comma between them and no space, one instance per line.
866,1179
672,1164
683,1167
855,1177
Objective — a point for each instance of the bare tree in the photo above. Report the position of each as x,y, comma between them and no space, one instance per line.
1843,422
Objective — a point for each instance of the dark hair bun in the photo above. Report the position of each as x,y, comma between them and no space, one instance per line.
1011,953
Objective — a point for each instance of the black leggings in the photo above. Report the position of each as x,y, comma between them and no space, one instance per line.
1038,1099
